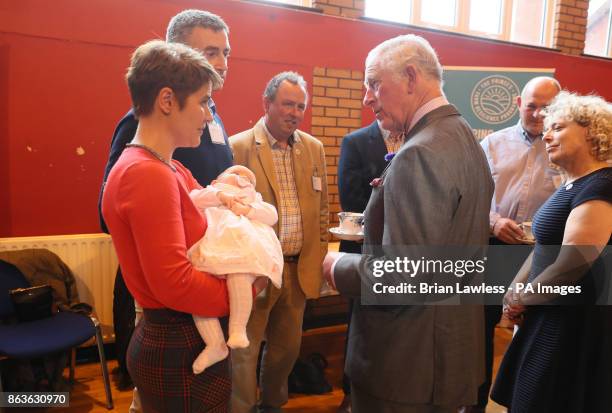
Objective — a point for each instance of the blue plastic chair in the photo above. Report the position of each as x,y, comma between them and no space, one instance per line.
62,331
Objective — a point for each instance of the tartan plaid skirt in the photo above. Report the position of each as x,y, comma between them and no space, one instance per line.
161,352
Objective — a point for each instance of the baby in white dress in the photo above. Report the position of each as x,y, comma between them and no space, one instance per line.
240,245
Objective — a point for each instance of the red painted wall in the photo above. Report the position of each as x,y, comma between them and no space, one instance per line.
62,91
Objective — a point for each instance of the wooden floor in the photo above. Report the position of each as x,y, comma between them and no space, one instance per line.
88,392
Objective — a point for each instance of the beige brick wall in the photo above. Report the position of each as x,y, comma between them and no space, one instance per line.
336,111
345,8
570,26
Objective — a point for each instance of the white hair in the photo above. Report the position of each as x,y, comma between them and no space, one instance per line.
394,54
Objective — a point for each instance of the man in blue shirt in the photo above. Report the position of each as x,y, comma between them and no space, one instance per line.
207,33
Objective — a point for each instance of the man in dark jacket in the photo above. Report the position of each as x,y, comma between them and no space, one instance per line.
362,159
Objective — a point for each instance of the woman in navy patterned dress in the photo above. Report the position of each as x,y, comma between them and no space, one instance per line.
560,360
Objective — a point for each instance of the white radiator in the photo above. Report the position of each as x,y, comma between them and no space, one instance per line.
92,259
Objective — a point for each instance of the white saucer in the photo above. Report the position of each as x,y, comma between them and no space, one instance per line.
337,232
527,241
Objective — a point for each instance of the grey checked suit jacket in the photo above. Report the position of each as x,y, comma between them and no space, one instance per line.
436,191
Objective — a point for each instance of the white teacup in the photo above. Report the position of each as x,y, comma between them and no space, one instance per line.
351,222
526,227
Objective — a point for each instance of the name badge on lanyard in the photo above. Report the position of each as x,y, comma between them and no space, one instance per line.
216,133
316,183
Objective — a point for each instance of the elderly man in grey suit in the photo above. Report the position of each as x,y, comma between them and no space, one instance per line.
436,192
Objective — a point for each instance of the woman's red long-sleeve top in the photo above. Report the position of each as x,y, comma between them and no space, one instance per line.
153,223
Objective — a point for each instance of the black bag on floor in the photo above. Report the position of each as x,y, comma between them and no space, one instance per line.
308,377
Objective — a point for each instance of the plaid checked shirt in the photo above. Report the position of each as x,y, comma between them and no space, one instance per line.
290,231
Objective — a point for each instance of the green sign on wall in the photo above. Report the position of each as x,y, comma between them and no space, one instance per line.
486,96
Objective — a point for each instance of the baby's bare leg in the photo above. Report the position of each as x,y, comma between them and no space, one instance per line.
241,303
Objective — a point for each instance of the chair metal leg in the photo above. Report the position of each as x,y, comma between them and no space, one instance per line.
72,365
100,343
